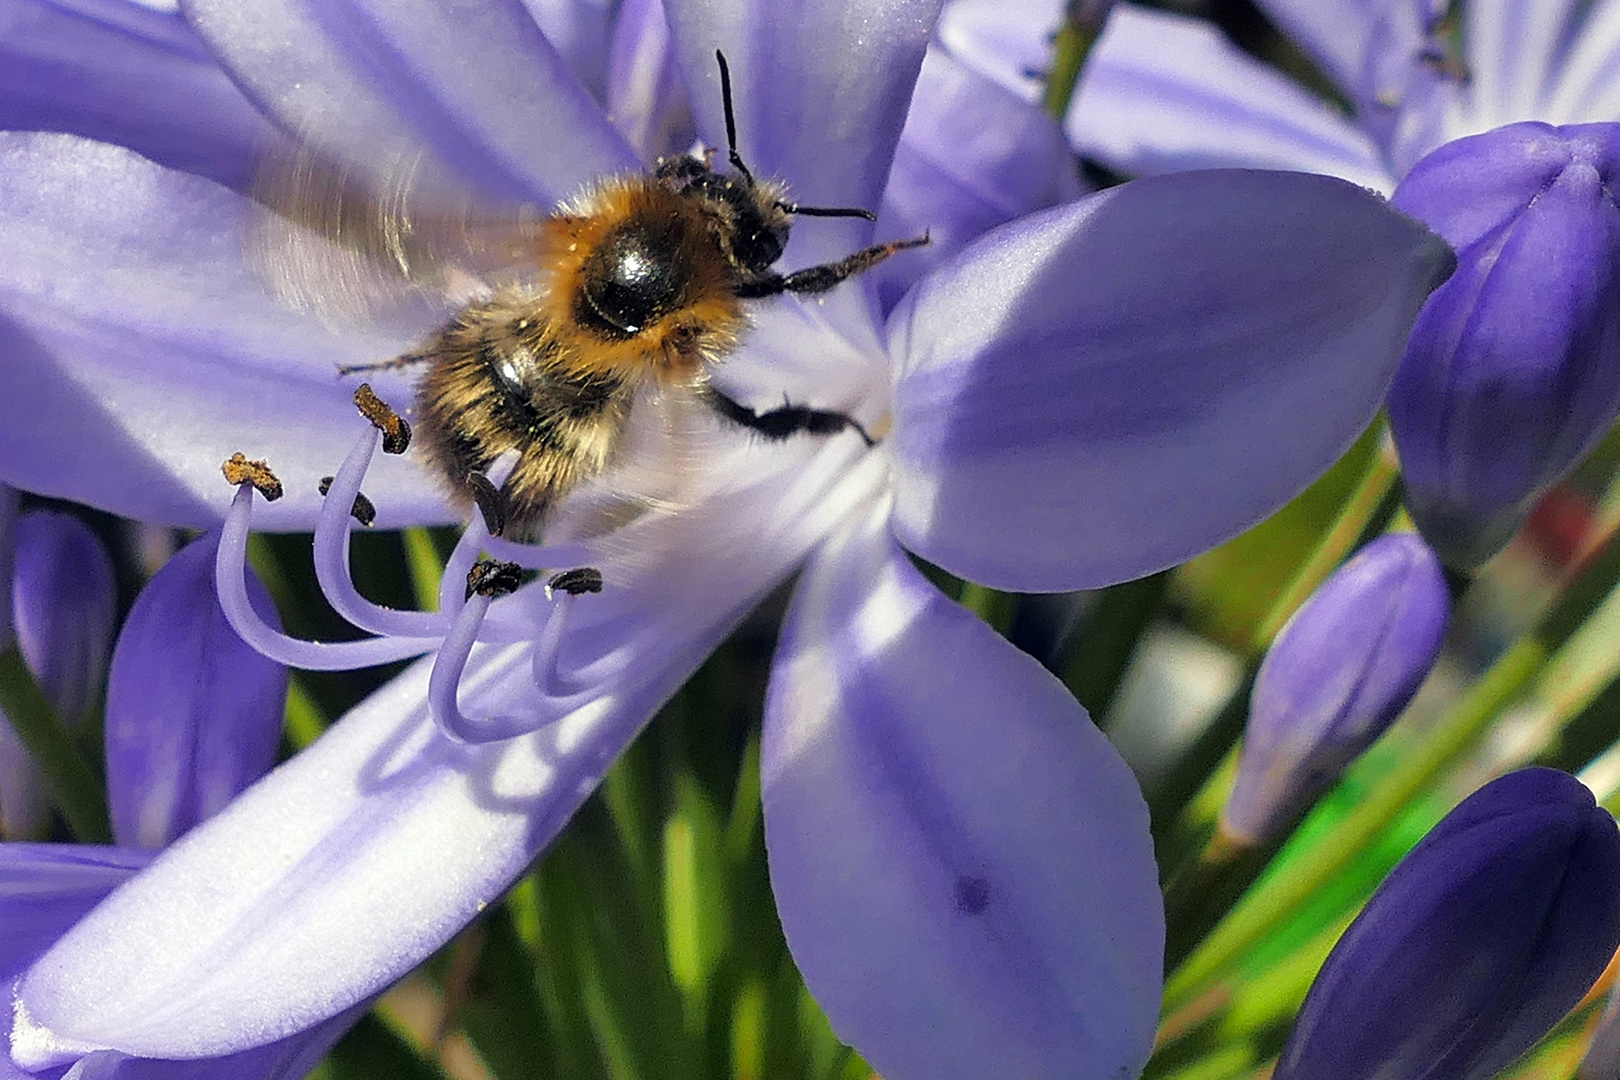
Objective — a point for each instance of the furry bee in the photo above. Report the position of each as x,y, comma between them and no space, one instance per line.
639,283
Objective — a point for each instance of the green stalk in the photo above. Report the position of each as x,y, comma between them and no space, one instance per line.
424,565
1366,511
1457,733
302,720
993,606
1070,47
73,783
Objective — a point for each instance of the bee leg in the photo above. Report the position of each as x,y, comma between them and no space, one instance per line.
815,279
403,360
787,421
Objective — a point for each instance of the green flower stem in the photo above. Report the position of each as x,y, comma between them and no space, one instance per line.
1454,735
302,720
1364,515
994,607
425,566
73,783
1191,774
1107,638
1070,47
1202,891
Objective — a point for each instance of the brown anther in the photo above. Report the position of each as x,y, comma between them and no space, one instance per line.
362,510
581,579
396,432
239,470
489,577
491,502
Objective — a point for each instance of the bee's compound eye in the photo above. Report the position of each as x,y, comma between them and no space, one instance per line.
634,277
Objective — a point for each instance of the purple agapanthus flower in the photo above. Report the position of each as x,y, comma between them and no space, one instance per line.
1084,395
1510,376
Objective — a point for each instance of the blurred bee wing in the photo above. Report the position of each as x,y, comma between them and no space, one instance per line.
348,249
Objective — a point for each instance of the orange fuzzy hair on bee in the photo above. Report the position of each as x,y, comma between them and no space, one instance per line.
704,321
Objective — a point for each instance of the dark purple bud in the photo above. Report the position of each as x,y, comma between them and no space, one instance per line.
62,609
1477,943
1340,672
193,713
1513,368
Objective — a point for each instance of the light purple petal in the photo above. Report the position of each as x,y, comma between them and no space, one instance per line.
123,73
1010,43
475,88
972,157
139,352
645,96
322,884
1586,89
45,888
1515,49
961,861
580,31
291,1058
1337,35
352,862
1101,391
193,714
1164,92
821,98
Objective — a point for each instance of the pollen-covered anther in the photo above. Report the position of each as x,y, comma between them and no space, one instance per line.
490,500
396,432
581,579
490,577
362,510
239,470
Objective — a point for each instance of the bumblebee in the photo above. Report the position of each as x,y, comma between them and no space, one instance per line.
639,283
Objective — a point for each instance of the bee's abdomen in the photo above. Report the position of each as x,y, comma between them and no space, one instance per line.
499,382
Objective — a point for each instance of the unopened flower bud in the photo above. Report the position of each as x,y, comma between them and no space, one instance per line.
1512,371
1477,943
1340,672
193,713
62,607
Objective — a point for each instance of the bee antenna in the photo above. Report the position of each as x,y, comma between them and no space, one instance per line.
826,211
731,118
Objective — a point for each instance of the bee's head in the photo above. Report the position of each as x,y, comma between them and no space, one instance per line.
755,215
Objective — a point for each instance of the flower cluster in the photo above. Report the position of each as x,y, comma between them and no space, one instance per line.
1066,391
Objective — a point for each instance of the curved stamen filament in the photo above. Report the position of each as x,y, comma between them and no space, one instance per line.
331,552
451,662
453,583
544,661
230,580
